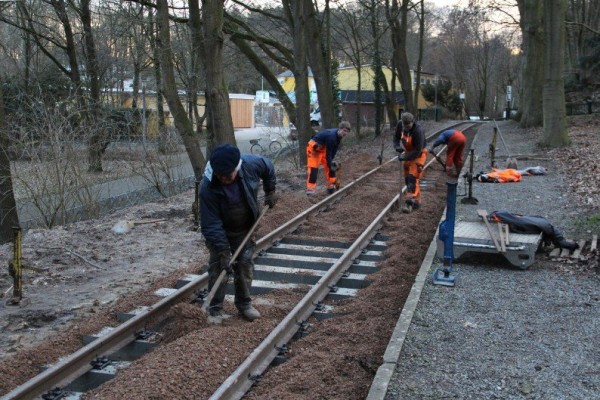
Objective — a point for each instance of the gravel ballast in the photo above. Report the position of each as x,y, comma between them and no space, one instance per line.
502,332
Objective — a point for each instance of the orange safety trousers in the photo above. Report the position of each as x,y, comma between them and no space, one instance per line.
415,168
456,146
316,155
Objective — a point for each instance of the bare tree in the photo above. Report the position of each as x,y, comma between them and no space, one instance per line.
296,14
217,96
533,57
397,15
180,118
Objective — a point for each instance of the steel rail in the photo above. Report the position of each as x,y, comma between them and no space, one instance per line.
238,383
78,363
242,379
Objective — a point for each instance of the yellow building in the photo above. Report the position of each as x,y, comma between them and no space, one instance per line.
349,95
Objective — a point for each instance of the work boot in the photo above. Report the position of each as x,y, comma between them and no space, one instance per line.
410,206
310,193
217,316
250,313
331,190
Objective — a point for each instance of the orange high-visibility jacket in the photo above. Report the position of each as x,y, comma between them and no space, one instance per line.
501,176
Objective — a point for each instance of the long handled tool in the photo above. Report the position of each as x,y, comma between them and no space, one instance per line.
438,159
510,161
235,255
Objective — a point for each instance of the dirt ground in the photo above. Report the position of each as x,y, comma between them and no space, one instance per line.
77,276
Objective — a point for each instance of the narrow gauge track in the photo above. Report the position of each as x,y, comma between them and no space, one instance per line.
129,333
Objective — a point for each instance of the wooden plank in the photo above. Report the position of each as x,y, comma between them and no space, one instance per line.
577,251
565,253
555,252
501,238
594,242
483,214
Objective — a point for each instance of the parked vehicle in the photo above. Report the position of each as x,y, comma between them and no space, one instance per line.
315,117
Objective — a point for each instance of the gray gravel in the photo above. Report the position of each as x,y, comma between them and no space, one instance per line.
504,333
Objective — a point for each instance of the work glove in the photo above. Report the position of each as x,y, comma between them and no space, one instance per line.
399,150
335,165
225,261
271,198
401,157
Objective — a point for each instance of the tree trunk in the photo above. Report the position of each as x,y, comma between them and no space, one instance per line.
420,58
399,32
555,124
182,123
220,122
8,206
319,57
533,57
296,15
163,145
99,138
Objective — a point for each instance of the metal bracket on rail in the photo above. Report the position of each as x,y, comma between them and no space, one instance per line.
200,296
303,329
281,356
54,394
100,362
144,334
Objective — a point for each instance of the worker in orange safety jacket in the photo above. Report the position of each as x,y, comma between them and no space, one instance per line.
455,140
409,141
321,150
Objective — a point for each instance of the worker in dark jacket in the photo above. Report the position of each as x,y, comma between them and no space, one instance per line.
455,140
228,209
321,150
409,142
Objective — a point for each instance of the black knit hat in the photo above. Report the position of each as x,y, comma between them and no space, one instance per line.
224,159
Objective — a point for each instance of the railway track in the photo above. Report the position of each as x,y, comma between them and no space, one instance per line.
327,270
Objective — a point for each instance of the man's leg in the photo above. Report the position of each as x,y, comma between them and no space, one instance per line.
243,274
214,270
313,160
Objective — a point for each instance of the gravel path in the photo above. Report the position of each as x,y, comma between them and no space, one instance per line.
501,332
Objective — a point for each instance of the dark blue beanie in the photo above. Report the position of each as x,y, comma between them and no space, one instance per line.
224,159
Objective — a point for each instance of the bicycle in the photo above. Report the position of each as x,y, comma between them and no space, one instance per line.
258,148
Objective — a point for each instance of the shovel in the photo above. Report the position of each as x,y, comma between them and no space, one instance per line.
235,255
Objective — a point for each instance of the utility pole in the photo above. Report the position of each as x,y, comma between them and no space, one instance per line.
144,122
508,99
435,102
